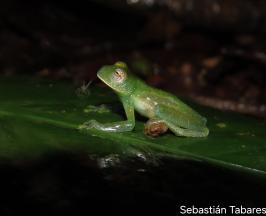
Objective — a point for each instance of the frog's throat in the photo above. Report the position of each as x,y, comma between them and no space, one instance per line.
107,84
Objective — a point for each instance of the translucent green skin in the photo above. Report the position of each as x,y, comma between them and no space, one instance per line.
150,102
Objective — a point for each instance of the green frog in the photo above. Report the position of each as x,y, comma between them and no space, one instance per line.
164,110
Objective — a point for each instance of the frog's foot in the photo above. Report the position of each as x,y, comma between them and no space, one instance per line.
155,127
88,125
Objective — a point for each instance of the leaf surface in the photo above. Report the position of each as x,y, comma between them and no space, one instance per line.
42,117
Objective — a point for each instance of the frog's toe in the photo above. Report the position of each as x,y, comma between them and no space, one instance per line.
155,127
87,125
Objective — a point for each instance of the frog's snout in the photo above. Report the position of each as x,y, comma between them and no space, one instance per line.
102,73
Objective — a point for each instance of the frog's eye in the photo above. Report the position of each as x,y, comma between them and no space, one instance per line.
119,75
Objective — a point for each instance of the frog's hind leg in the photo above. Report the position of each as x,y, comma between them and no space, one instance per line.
173,120
155,127
188,132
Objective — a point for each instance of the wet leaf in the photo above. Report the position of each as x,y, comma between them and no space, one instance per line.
41,117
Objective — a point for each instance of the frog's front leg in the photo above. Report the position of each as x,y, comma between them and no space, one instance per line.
120,126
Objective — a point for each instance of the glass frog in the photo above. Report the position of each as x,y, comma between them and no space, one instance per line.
164,110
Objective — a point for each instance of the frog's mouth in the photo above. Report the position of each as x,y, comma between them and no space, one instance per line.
103,80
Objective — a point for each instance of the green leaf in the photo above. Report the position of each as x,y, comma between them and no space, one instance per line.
41,117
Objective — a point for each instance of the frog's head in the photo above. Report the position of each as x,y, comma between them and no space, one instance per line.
117,77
